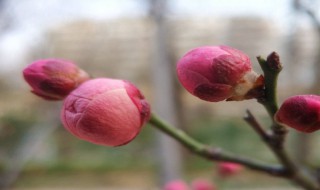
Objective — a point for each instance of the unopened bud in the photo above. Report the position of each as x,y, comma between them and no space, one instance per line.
201,184
300,112
273,61
217,73
226,169
53,79
176,185
105,111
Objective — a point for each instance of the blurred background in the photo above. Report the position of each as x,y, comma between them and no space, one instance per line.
141,40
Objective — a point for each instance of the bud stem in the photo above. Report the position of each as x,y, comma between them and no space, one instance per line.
269,101
214,154
271,69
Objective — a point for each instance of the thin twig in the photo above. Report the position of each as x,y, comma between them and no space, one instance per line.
217,154
214,154
251,120
290,168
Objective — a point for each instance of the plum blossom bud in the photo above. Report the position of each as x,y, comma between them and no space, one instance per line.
176,185
53,79
201,184
226,169
105,111
300,112
217,73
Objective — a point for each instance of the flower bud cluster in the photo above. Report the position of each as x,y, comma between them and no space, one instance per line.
102,111
111,112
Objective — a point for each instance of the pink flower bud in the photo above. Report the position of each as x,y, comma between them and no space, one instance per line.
301,113
200,184
176,185
53,79
105,111
226,169
217,73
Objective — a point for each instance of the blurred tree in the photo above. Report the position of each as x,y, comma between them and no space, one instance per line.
309,8
164,92
5,19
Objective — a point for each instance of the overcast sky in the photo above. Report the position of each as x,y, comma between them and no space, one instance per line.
29,12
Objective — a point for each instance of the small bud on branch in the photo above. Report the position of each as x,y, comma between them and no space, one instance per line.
217,73
273,61
301,113
53,79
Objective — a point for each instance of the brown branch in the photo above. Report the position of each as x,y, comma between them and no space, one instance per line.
275,143
214,154
217,154
251,120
